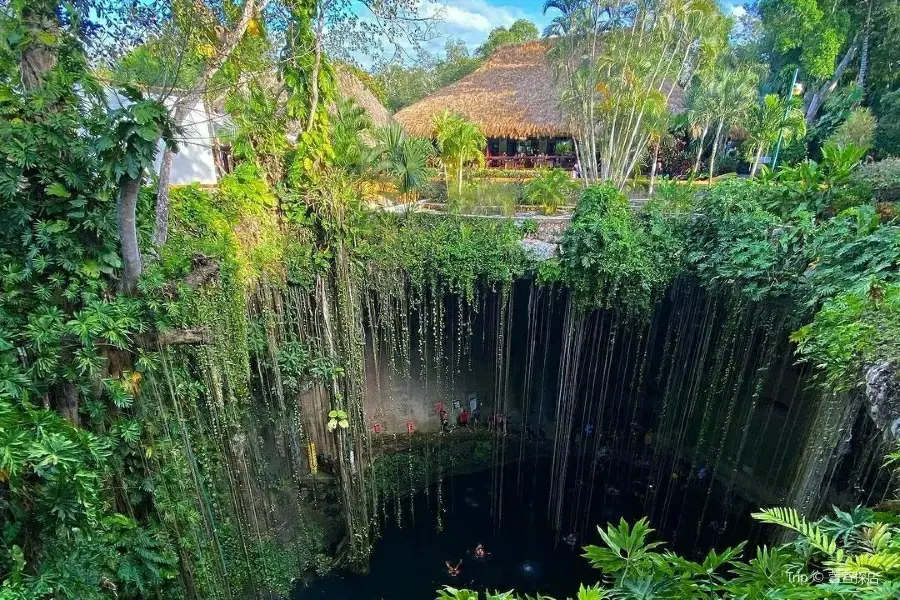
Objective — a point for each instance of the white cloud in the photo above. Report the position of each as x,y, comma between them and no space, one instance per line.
738,11
472,20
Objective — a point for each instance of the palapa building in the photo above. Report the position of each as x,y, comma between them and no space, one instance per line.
514,100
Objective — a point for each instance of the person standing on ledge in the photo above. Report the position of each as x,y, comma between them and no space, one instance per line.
464,418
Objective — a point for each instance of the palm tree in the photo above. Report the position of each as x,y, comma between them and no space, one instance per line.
561,24
658,129
771,118
411,165
551,189
459,143
698,116
350,128
732,95
403,159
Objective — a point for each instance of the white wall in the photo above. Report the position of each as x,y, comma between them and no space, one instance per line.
194,162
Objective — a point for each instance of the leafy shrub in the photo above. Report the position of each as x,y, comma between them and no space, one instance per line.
881,178
853,329
487,197
611,259
454,253
857,129
887,131
550,189
732,241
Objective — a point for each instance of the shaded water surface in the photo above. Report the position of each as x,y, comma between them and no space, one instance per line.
408,561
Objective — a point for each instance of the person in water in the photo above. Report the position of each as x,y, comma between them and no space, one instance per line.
571,539
480,552
453,570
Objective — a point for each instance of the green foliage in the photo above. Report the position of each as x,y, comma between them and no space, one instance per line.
854,555
487,197
550,189
858,129
337,418
454,254
611,259
806,31
235,223
259,125
520,31
405,85
881,178
887,130
855,328
459,143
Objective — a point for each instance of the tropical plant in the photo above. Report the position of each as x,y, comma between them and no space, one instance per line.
550,189
337,418
403,159
857,129
258,131
771,120
608,257
352,140
562,23
854,555
882,178
731,97
459,143
410,165
887,129
614,95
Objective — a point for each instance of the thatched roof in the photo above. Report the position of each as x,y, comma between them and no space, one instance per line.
350,87
511,95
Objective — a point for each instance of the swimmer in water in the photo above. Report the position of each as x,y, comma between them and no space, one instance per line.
480,552
453,570
571,539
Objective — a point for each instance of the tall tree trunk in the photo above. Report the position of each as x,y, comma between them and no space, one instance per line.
864,53
756,159
715,147
127,221
186,103
68,403
161,223
317,67
653,167
700,149
314,84
820,95
459,176
38,58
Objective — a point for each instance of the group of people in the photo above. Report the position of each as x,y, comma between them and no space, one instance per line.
498,422
465,419
479,554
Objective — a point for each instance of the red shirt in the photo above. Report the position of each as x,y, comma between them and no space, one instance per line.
464,416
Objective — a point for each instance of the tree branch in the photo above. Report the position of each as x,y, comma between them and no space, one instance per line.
192,336
818,99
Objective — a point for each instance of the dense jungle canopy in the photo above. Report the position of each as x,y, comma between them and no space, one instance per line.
172,355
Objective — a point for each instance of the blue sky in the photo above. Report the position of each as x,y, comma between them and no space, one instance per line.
471,20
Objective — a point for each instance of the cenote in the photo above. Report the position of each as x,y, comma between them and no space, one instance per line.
525,553
610,301
694,418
